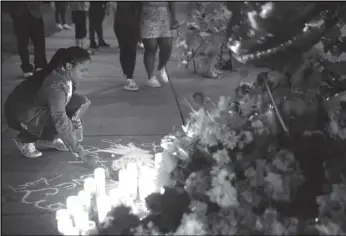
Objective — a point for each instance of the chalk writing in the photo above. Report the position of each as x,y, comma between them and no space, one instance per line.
39,193
44,192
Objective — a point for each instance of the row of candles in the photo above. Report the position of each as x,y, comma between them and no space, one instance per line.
135,184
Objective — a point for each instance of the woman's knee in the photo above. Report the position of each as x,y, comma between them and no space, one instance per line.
150,45
165,44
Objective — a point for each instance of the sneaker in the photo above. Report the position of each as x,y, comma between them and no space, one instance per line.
57,144
162,74
66,26
140,45
153,82
27,149
59,26
78,128
93,45
130,85
27,74
104,45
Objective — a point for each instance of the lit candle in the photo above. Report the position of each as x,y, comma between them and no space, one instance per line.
147,184
103,207
100,178
115,196
75,208
64,222
85,199
158,160
90,185
66,229
90,229
132,175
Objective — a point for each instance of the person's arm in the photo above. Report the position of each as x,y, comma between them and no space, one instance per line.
172,9
63,125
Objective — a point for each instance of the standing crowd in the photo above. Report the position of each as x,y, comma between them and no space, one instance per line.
45,107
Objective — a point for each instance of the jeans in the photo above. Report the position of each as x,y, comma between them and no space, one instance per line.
60,12
28,27
76,107
127,32
96,17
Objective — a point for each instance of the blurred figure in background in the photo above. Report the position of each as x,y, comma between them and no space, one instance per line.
157,21
207,24
97,13
28,24
79,18
126,28
60,8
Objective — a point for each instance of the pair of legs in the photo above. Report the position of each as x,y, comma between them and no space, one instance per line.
96,17
126,29
60,12
28,27
80,20
151,46
75,110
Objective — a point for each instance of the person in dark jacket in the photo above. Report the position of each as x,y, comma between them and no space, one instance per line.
126,28
97,13
28,24
45,108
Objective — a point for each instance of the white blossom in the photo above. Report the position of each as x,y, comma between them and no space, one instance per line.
191,224
222,191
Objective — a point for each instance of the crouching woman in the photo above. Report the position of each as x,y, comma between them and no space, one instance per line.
46,109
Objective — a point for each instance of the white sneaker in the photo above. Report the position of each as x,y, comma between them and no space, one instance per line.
153,82
27,74
59,26
130,85
162,74
57,144
27,149
140,45
66,26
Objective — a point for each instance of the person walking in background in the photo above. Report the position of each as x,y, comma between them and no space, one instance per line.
126,28
60,14
28,24
79,18
156,24
97,13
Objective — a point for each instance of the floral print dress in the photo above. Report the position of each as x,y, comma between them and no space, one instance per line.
155,21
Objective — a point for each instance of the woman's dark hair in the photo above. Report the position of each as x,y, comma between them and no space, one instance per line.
72,55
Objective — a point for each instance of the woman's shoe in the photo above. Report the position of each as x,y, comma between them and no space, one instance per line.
153,82
130,85
27,149
162,74
66,26
57,144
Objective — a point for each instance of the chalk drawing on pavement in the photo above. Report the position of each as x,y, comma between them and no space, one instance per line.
44,192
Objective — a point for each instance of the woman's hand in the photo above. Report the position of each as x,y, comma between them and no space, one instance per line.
90,159
175,24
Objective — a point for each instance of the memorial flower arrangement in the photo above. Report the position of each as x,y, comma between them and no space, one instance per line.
269,160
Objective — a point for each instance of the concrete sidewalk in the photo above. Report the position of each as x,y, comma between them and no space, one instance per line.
33,189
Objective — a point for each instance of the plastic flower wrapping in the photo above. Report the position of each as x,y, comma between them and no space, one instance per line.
269,160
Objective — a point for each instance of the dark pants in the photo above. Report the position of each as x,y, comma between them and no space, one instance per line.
126,29
77,106
79,19
96,17
60,12
28,27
